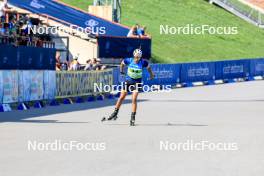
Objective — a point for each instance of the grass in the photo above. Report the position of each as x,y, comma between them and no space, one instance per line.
248,43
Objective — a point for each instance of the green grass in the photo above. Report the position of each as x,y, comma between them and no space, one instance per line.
248,43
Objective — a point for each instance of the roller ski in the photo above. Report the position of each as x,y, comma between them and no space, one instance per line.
113,116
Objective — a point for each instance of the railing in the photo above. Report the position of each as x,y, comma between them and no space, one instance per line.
4,39
242,10
81,83
32,85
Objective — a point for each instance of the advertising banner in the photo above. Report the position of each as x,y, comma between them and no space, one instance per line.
49,84
165,74
257,67
232,69
196,72
1,87
36,85
24,85
10,86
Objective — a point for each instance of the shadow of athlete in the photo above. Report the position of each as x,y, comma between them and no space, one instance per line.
133,83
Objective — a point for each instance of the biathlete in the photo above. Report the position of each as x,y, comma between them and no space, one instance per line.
133,83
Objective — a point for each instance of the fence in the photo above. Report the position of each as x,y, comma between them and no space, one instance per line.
31,85
81,83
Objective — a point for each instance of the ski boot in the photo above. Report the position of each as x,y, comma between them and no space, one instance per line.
133,119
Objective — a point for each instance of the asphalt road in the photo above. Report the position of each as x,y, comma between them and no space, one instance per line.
201,131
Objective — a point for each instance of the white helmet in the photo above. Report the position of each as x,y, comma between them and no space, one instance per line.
137,53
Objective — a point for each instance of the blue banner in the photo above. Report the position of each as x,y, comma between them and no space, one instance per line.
257,67
116,74
26,58
119,47
196,72
165,74
1,87
232,69
72,16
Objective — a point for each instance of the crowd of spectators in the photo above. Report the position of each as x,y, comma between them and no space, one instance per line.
91,65
137,31
15,29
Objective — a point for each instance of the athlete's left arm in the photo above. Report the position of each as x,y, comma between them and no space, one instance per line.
146,65
150,73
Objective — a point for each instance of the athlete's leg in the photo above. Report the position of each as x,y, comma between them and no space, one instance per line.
123,95
134,107
134,101
113,116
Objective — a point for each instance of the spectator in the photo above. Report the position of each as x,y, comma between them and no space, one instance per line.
16,31
88,65
94,64
100,65
58,64
64,66
75,65
142,31
2,10
2,29
103,67
6,29
133,32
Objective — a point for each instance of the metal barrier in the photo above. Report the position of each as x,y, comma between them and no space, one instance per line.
242,10
81,83
6,39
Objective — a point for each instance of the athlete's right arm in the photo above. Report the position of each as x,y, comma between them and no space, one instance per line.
122,66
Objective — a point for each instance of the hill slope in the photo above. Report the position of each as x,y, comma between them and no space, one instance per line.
248,43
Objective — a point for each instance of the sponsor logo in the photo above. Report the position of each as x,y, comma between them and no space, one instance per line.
91,23
233,69
36,4
198,72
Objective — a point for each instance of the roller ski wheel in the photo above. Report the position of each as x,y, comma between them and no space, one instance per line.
132,123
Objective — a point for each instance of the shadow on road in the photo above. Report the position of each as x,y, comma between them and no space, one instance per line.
207,101
20,116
